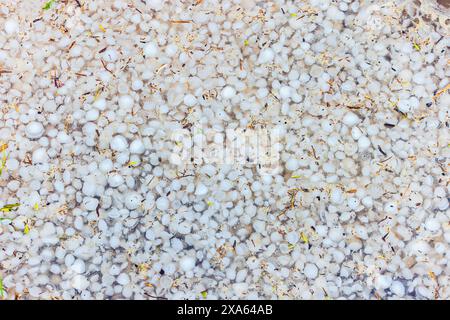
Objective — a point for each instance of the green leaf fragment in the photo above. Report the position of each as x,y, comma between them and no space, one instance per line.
48,4
2,291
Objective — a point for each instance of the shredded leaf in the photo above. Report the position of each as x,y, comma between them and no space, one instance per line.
2,290
209,203
3,162
97,94
48,4
416,46
304,237
36,206
101,28
10,207
432,275
27,229
293,14
204,294
296,177
132,163
246,42
3,147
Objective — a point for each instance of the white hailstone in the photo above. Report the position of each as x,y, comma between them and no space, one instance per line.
39,156
398,288
350,119
92,115
420,247
184,227
90,203
35,292
137,85
133,200
106,165
78,266
34,130
126,102
228,92
201,190
114,242
175,159
155,4
432,224
367,201
336,196
80,282
383,282
240,289
348,86
335,14
404,106
100,104
292,164
266,55
189,100
115,180
162,203
363,143
285,92
292,237
12,164
311,271
187,263
353,203
110,55
151,49
137,147
356,133
11,26
390,207
119,143
123,279
171,50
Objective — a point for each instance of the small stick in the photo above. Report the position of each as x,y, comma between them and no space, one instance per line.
106,68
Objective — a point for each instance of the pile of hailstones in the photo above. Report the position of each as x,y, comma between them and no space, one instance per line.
95,205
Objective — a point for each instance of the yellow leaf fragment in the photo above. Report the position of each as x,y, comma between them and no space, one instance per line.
101,28
432,275
3,147
26,230
304,237
10,207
